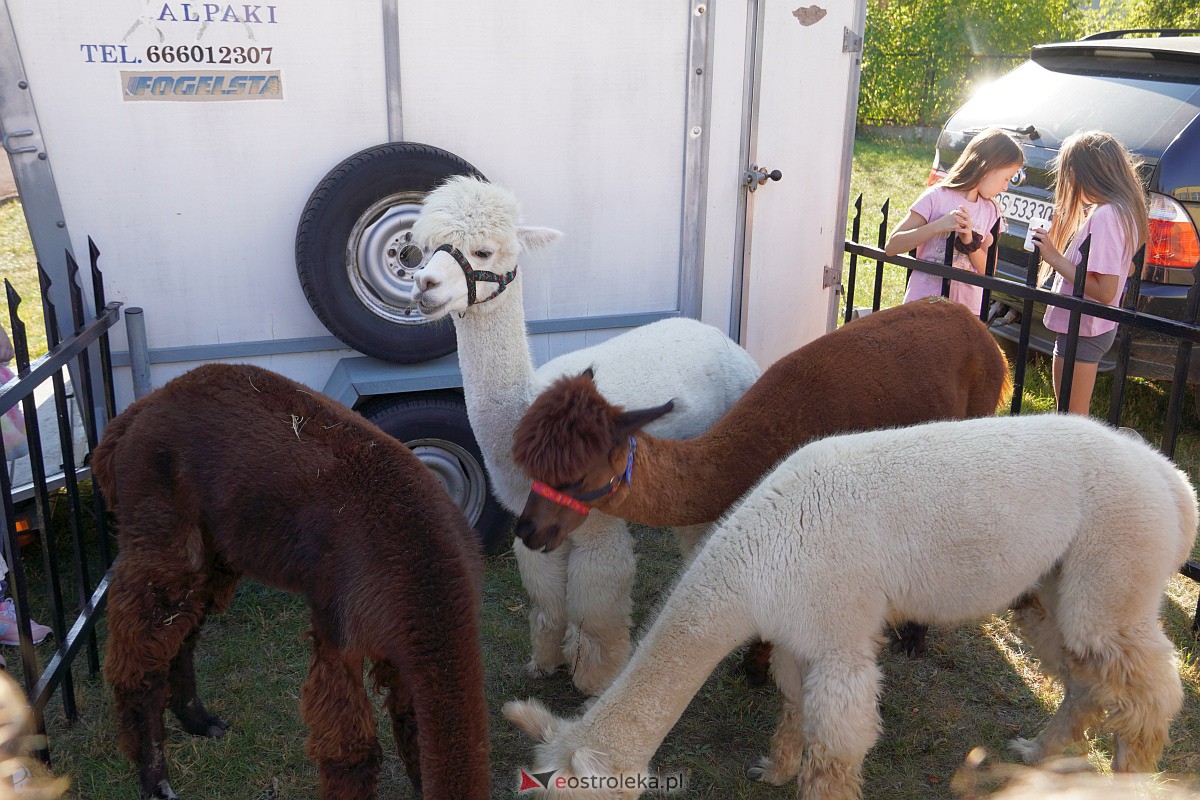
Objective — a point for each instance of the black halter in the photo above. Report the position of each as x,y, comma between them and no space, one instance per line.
472,275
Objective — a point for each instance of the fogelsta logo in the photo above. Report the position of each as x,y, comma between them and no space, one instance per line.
202,85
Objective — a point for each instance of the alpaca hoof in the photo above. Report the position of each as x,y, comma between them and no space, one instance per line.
1025,749
764,770
162,791
534,670
208,725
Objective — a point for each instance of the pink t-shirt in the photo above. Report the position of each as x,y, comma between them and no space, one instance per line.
934,203
1107,256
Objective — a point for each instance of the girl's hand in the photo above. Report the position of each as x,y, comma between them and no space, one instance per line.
957,220
964,225
1050,254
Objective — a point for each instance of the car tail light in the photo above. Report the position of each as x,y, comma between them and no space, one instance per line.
1172,241
935,175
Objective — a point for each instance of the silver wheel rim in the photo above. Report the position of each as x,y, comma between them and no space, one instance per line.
457,471
381,259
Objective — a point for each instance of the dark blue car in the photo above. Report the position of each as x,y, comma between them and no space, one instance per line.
1144,88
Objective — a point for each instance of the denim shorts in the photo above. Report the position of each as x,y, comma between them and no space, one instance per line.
1090,348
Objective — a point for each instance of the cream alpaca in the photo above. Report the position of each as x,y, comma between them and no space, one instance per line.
579,594
924,523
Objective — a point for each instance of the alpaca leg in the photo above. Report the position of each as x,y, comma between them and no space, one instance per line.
1040,632
910,639
787,744
341,724
1078,710
841,723
1140,688
185,701
689,539
544,576
756,663
404,721
153,610
1034,615
600,575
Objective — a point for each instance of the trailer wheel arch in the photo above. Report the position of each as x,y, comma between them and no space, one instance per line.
434,425
350,255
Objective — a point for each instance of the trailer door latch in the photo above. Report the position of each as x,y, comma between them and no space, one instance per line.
756,176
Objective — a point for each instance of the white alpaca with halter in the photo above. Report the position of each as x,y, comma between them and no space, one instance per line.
579,593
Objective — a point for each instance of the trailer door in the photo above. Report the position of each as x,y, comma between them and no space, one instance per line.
803,67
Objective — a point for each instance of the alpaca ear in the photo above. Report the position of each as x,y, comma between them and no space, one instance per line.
628,422
535,238
533,718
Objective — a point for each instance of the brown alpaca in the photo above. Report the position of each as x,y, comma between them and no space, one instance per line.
914,363
233,470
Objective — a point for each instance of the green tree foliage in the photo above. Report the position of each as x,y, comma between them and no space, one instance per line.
922,58
1162,14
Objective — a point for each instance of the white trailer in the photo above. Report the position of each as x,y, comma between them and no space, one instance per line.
249,171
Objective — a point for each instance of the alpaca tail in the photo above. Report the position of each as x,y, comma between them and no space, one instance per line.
104,470
1006,387
1189,514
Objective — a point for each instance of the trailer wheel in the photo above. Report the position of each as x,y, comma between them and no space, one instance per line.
354,256
435,427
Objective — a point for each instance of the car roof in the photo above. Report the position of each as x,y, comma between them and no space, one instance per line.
1142,90
1178,49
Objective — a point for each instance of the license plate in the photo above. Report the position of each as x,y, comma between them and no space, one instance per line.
1020,209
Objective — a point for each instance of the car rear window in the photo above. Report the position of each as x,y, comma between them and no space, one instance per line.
1146,115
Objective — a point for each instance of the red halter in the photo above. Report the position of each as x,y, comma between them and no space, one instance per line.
577,502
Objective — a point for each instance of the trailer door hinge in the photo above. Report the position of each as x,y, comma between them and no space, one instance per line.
851,41
831,277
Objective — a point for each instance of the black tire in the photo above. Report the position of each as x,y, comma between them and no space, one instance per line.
350,253
435,427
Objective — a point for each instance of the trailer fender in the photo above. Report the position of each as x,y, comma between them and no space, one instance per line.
354,257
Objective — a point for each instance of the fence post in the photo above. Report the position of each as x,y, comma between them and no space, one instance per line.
1076,316
139,351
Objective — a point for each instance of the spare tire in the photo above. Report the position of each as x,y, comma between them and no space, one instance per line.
435,427
354,257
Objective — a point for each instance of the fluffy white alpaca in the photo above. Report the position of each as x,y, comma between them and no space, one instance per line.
1078,527
580,593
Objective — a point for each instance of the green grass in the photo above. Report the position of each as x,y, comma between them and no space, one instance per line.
976,687
888,171
18,265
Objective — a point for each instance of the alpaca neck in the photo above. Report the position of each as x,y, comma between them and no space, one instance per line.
691,481
497,370
703,621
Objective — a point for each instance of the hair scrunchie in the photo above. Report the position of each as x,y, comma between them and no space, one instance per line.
976,243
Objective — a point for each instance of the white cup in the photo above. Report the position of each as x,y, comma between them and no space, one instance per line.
1035,224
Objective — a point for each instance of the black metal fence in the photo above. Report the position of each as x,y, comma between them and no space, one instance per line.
1185,333
52,509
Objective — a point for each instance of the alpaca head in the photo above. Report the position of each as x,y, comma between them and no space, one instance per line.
563,752
577,444
478,221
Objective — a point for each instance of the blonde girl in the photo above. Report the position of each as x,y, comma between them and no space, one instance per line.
963,202
1097,195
